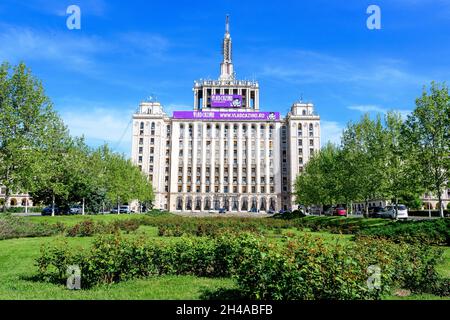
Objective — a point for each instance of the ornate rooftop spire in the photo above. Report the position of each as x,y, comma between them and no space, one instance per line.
226,67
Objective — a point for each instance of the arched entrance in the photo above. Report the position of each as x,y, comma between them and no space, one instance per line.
244,204
198,204
263,204
179,203
207,204
189,204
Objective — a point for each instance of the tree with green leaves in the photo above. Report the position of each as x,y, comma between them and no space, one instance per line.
319,183
402,181
364,147
427,132
27,120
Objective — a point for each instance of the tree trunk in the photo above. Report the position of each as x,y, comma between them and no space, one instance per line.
396,208
7,196
441,206
82,209
53,205
118,206
26,205
366,209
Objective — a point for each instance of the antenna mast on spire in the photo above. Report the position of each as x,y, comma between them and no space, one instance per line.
227,24
226,67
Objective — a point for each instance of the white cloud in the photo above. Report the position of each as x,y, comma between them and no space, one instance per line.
170,108
58,7
367,108
331,131
145,44
306,67
65,49
100,124
377,109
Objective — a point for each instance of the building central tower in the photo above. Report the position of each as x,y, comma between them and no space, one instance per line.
227,93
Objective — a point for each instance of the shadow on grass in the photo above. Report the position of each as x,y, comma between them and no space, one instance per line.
222,294
36,278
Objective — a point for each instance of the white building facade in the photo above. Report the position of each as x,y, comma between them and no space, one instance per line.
226,152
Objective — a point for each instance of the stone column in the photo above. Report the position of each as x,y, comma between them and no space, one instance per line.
267,159
213,157
221,156
185,156
203,167
258,158
195,144
249,158
239,149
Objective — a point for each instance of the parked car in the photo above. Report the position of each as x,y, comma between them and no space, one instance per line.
377,212
329,211
223,210
122,209
47,211
270,211
76,209
340,212
402,212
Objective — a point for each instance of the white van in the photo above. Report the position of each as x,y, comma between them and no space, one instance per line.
402,212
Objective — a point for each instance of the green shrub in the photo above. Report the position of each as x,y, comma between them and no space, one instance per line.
18,227
128,226
22,209
435,231
88,228
310,269
113,258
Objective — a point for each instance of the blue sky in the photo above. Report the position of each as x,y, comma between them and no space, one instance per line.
321,50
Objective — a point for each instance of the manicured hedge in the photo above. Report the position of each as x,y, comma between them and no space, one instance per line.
435,231
304,268
310,269
16,227
113,258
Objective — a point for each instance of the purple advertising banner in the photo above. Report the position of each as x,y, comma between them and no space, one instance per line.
226,101
214,115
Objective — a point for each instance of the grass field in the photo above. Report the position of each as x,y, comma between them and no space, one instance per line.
17,271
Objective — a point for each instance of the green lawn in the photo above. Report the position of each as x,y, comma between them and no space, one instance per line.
17,258
17,269
72,220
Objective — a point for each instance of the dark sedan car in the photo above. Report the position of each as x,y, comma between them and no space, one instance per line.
48,211
376,212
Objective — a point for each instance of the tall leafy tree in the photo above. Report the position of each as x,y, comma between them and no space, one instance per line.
427,132
319,183
26,121
364,147
401,179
